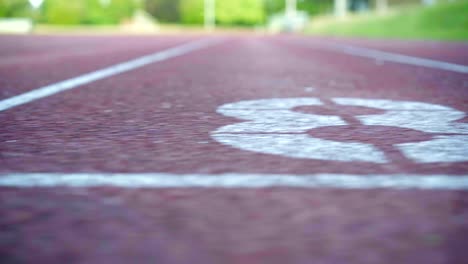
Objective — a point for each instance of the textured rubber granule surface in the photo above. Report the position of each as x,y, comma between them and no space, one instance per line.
31,62
160,118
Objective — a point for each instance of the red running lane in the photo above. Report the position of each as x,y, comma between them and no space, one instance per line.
232,226
453,52
159,119
36,61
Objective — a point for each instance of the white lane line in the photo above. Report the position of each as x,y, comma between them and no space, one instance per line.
105,73
387,56
399,58
234,180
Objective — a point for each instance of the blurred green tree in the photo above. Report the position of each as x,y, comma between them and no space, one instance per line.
191,11
164,10
63,12
87,11
272,7
240,12
313,7
97,12
14,8
112,13
228,12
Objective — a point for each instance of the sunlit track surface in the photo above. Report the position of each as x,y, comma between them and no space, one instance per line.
246,149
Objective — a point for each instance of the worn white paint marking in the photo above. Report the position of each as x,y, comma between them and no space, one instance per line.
105,73
274,128
303,146
440,149
399,58
309,89
270,119
429,118
272,103
234,180
425,117
382,56
379,57
276,121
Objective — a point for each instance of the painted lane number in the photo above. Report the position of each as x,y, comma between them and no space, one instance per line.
274,128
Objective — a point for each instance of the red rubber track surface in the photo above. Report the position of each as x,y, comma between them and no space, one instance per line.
454,52
159,118
29,62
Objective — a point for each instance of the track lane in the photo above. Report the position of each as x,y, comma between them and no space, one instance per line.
69,57
233,226
102,118
159,118
452,52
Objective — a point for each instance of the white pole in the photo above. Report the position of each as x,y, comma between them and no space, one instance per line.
210,14
382,6
341,8
291,7
36,3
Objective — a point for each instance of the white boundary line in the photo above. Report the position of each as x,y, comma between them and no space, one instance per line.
234,180
105,73
386,56
399,58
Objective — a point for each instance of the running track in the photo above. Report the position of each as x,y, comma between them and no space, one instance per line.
132,150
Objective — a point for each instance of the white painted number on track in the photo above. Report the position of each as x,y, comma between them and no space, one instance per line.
274,128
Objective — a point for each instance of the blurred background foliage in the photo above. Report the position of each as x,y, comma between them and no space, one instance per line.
228,12
191,11
14,8
446,19
86,11
239,12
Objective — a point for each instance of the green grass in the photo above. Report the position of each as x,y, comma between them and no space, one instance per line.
446,21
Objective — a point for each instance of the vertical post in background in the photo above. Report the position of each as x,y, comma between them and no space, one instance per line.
291,8
210,14
36,6
341,8
382,6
